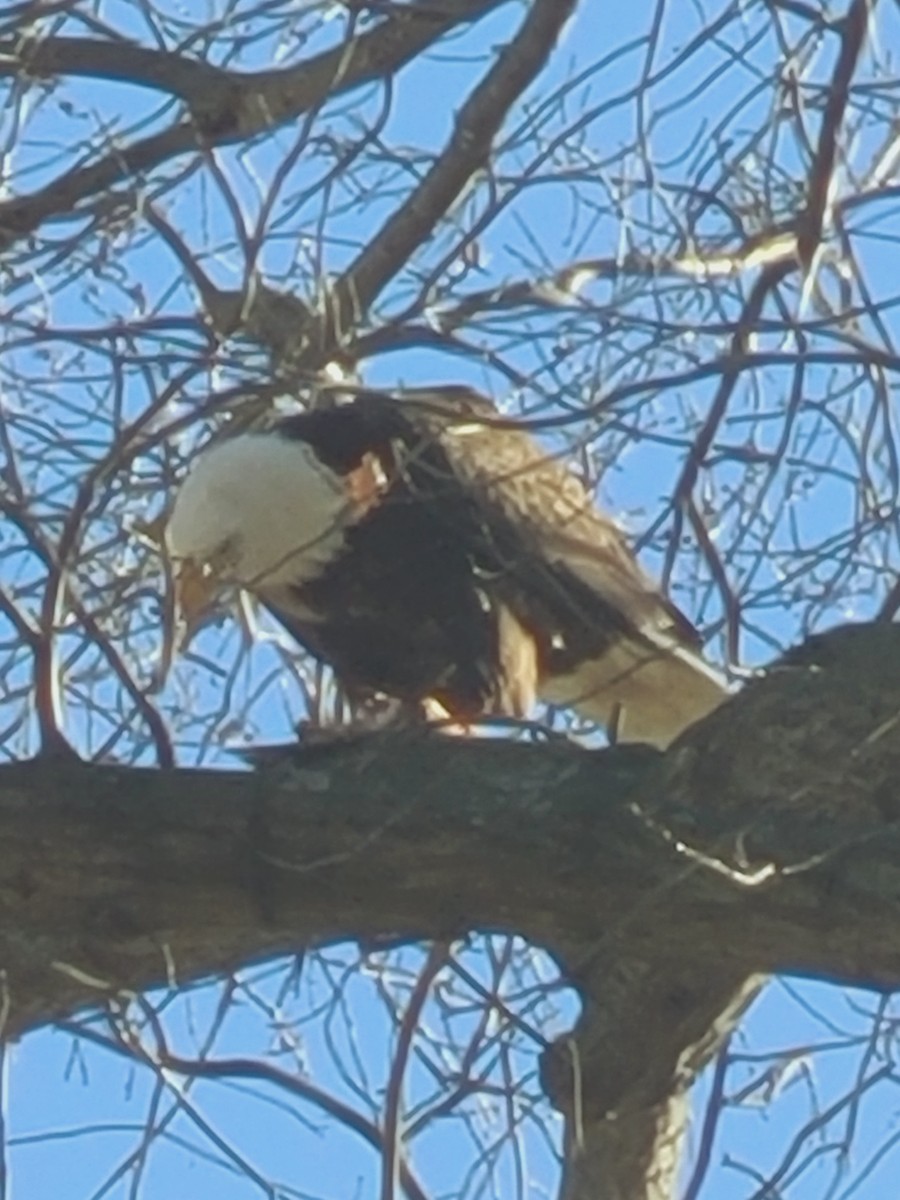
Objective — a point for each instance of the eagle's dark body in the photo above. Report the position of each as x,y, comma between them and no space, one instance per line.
473,569
397,612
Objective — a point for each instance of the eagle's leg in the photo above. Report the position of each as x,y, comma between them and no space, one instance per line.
380,712
377,713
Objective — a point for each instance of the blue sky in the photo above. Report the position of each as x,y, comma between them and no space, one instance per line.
75,1111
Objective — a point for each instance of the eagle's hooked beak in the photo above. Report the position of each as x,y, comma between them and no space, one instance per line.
195,588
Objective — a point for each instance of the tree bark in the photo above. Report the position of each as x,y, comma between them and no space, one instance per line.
667,885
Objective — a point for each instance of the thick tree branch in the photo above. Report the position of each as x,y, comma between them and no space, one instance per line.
121,61
765,840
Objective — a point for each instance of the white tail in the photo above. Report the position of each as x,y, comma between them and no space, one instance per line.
650,690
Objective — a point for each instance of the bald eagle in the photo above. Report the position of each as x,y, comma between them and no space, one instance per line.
432,552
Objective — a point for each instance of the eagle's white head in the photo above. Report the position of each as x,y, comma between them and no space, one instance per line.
258,511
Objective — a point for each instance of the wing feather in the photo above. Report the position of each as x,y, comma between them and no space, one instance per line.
615,647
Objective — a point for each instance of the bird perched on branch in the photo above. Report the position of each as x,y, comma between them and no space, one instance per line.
429,550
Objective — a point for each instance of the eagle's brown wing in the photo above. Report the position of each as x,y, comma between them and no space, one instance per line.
611,645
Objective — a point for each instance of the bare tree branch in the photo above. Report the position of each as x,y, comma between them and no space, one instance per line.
617,862
852,30
469,147
120,60
222,106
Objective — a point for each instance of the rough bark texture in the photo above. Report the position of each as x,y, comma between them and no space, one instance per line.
765,840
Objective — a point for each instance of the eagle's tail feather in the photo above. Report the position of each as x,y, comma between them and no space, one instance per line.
646,691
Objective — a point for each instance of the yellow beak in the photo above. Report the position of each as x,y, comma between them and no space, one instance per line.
195,588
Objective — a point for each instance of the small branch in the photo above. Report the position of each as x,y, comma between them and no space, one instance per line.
392,1155
853,35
